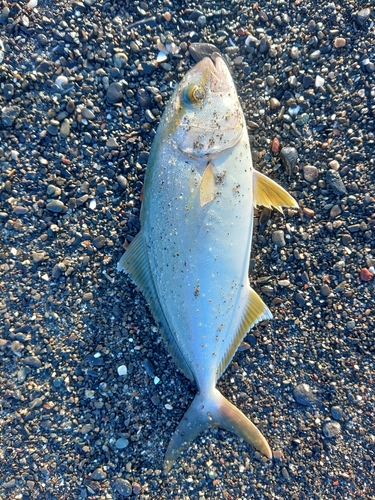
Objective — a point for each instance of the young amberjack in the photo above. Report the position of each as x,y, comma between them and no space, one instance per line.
191,257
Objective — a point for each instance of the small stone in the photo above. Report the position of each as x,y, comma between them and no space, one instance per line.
334,180
319,81
363,15
120,60
19,210
65,128
122,370
9,114
121,443
167,17
16,347
325,290
310,173
38,256
99,474
274,103
87,114
8,91
32,361
366,274
112,143
335,211
123,487
99,241
56,206
334,165
339,43
337,413
278,238
304,396
331,429
114,93
275,145
289,157
88,296
201,21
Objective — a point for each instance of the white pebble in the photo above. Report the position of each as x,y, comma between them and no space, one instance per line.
161,57
92,204
156,380
122,370
168,406
319,81
32,4
61,81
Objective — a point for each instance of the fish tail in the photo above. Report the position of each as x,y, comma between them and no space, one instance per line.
207,411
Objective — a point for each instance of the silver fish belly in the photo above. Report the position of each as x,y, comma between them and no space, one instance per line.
191,256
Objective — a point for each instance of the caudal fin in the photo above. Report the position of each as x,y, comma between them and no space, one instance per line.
212,411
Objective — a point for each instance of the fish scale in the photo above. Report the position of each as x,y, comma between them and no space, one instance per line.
192,254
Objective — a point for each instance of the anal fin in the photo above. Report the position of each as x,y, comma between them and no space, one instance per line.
255,311
207,186
270,194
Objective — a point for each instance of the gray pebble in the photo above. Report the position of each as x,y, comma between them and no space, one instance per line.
112,143
120,60
99,474
331,429
314,56
310,173
88,114
9,115
278,238
16,346
201,21
65,128
121,443
289,157
39,256
304,396
325,290
363,15
8,91
337,413
32,361
99,241
114,93
123,486
334,180
56,206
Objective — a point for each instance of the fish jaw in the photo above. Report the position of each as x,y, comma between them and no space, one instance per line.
212,409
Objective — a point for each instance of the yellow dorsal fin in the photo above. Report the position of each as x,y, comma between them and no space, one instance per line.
270,194
207,187
255,311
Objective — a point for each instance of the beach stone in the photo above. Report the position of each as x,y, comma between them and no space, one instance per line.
337,413
363,16
334,180
32,361
99,474
278,238
121,443
114,93
303,394
56,206
331,429
339,42
122,486
310,173
289,156
9,115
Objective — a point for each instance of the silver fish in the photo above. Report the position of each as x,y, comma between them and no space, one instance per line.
191,257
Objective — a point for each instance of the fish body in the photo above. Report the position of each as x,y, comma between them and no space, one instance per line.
192,254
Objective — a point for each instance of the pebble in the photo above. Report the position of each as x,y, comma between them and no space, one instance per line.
99,474
9,114
304,396
278,238
122,486
114,93
335,211
366,274
339,43
363,16
310,173
122,370
56,206
121,443
32,361
331,429
289,157
87,114
274,103
334,180
99,241
325,290
16,346
337,413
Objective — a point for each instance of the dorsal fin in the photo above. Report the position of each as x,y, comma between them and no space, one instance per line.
135,262
255,311
270,194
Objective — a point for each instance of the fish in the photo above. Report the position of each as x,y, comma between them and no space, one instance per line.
191,256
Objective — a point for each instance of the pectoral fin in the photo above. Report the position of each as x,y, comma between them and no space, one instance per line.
270,194
207,187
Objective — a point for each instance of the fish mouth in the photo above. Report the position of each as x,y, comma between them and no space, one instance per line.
221,79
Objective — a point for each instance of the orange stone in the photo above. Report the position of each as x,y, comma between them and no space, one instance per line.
366,275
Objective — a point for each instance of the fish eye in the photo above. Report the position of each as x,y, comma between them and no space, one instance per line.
194,94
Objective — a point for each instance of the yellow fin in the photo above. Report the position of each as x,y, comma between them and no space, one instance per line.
207,187
255,311
270,194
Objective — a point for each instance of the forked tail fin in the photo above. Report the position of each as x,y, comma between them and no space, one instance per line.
212,410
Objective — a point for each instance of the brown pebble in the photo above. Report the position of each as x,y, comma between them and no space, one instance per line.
366,275
167,16
335,211
88,296
334,165
339,42
308,212
274,103
275,146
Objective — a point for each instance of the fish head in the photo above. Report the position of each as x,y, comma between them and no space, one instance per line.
205,115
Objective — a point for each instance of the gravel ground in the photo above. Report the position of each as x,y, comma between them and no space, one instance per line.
89,396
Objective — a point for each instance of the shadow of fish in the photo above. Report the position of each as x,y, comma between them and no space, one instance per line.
191,257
